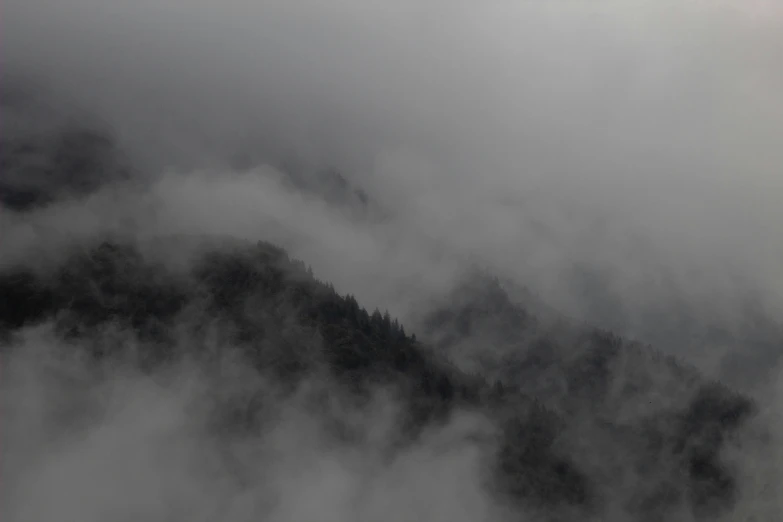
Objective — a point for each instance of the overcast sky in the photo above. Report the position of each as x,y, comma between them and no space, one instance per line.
640,138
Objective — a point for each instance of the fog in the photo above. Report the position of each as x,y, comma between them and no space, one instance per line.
627,136
100,444
634,145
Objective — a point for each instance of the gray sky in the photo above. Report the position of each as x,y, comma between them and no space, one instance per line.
639,138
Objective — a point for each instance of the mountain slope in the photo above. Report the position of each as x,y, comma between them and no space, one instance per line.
290,326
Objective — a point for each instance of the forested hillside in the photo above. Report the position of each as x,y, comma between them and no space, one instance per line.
578,410
391,261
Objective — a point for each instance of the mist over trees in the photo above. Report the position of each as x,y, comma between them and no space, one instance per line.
556,384
384,261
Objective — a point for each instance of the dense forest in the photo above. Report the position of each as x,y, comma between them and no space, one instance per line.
563,394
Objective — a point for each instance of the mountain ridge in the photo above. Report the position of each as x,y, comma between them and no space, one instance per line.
250,293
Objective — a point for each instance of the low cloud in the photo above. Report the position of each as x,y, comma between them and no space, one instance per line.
620,159
107,442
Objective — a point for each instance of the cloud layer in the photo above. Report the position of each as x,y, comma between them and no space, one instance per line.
621,159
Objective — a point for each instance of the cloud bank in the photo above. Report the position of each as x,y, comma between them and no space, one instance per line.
621,159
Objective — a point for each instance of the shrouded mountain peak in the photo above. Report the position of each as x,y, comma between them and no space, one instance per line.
287,325
389,261
46,156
